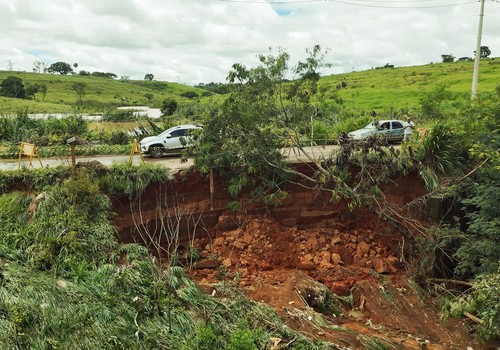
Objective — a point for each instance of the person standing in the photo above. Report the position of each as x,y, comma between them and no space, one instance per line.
408,127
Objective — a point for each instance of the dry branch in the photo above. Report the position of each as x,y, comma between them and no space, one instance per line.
473,318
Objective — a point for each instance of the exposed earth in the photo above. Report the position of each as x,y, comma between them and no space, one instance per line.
287,256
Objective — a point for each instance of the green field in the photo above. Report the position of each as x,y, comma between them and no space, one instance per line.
100,93
402,88
377,89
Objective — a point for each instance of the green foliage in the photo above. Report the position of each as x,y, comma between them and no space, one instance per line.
101,93
479,121
106,138
218,88
62,68
242,140
347,124
448,58
71,226
189,94
132,179
485,52
79,89
379,89
483,301
441,152
14,215
321,133
22,128
168,107
242,338
432,104
108,307
12,87
479,250
32,180
124,115
205,338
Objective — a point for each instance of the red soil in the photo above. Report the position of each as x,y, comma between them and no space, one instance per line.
280,256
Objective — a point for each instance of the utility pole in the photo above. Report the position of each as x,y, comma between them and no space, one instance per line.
478,52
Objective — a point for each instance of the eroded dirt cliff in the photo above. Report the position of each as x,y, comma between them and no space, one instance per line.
283,256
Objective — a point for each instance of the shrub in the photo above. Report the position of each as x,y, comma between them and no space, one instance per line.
483,300
132,179
442,151
71,226
479,251
189,94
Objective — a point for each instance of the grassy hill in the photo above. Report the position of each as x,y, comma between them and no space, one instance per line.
378,89
100,93
402,88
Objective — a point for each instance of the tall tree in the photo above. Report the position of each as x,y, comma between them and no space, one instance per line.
244,137
448,58
62,68
149,77
485,52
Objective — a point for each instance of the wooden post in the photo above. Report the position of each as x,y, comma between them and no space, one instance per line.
73,156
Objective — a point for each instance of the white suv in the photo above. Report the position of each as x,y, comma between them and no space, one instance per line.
171,141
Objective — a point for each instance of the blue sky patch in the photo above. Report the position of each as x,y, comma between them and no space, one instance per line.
282,9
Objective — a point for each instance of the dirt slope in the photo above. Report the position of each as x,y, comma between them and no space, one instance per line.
286,256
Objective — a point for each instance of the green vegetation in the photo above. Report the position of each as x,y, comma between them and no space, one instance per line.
66,282
483,301
95,94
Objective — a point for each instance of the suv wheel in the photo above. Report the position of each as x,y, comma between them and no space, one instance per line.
156,151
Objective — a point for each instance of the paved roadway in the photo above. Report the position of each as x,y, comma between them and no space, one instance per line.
172,162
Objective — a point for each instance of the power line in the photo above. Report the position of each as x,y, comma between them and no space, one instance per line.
400,7
352,3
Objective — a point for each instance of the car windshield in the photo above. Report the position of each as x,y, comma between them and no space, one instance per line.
369,126
166,132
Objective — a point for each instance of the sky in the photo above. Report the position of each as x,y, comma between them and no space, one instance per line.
197,41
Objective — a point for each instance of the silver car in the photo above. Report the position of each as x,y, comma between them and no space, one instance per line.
391,130
171,141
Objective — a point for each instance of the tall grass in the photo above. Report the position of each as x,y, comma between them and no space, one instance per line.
441,152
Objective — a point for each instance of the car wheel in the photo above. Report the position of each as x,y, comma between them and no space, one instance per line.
156,151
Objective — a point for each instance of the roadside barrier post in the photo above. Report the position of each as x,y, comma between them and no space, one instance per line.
29,150
135,149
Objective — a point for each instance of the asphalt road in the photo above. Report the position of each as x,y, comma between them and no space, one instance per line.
172,162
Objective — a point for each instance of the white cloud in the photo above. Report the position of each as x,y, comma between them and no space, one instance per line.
198,40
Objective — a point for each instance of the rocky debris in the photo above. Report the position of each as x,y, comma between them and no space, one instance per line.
328,254
308,241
